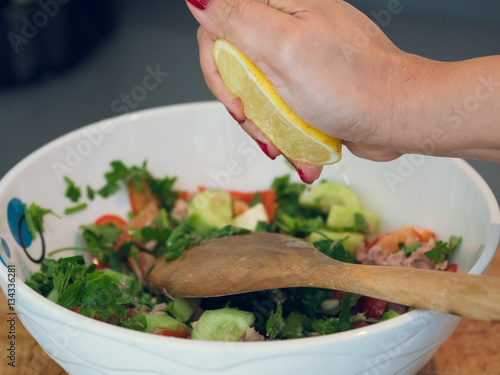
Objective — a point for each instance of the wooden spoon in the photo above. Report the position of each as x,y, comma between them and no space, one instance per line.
260,261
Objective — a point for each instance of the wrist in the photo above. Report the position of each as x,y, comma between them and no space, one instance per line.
447,108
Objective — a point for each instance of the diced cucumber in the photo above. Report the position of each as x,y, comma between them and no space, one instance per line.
226,324
350,240
210,210
183,308
163,321
251,217
351,219
327,194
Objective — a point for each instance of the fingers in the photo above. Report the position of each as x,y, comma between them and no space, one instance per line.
213,79
307,173
236,20
264,143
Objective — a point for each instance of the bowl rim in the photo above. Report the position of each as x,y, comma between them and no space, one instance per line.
108,330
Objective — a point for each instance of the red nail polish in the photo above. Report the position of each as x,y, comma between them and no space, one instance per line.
200,4
301,174
234,116
263,146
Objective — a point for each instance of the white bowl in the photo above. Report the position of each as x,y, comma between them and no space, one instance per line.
202,144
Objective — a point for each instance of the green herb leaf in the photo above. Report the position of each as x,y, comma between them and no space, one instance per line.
408,250
73,192
34,215
255,200
79,207
90,193
121,173
333,249
442,250
296,326
360,223
332,325
389,315
164,191
275,323
228,230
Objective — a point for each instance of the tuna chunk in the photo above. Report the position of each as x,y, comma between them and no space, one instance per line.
252,335
180,210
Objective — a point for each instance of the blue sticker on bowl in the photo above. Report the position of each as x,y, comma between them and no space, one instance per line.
17,223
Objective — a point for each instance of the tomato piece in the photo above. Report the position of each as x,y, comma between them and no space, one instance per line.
124,237
242,196
140,200
100,265
114,219
268,198
452,268
170,333
183,195
145,218
372,307
423,233
370,244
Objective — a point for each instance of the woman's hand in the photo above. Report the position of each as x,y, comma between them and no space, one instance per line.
338,71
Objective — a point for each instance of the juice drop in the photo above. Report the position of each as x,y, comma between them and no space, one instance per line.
308,191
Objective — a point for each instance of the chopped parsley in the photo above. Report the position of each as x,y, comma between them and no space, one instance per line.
78,207
290,216
101,294
90,193
408,250
73,192
443,249
34,215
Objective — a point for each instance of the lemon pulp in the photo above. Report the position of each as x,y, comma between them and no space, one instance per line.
296,139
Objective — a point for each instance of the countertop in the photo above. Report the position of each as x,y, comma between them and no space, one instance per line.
471,350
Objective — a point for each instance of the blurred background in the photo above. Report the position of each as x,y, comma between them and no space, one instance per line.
65,64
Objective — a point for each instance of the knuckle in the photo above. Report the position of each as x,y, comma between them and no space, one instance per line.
232,9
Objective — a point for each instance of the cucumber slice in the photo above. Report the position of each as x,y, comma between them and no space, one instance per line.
351,219
226,324
327,194
164,321
210,210
183,308
350,240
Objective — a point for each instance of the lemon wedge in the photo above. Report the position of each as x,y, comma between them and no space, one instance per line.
296,139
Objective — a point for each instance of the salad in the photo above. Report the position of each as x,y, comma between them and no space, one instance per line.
163,222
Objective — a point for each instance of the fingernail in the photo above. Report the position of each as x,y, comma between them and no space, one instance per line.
234,116
301,174
200,4
263,146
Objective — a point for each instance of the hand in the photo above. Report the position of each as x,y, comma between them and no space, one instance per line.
339,72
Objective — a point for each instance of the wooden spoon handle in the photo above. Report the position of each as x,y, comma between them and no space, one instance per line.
471,296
